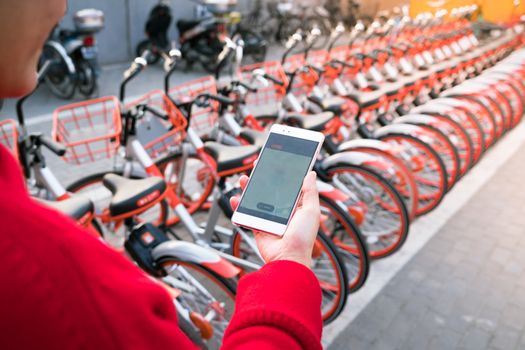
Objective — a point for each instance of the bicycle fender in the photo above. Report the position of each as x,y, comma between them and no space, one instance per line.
365,143
62,52
416,119
403,129
431,108
348,158
193,253
329,191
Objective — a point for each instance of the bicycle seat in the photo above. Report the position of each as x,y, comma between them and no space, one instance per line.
315,122
368,98
254,137
75,207
332,104
130,195
231,157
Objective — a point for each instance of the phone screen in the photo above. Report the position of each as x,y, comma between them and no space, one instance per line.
277,179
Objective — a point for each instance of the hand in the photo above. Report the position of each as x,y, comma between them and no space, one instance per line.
298,241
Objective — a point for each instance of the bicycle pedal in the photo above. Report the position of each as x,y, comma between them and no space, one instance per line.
202,324
142,240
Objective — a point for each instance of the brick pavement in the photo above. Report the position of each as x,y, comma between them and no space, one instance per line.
466,288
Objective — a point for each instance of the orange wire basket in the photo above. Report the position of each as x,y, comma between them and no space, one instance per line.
203,119
9,136
158,136
90,130
270,94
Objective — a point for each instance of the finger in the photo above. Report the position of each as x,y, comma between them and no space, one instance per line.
310,196
234,202
243,181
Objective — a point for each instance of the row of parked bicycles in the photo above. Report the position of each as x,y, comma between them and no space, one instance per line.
408,108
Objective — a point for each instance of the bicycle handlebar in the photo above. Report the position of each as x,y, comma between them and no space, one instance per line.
159,113
136,67
221,99
273,79
51,145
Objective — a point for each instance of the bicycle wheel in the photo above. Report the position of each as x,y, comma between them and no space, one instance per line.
484,115
344,233
92,187
438,136
327,266
394,170
207,299
385,225
190,178
428,169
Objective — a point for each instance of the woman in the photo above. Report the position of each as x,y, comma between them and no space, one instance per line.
63,289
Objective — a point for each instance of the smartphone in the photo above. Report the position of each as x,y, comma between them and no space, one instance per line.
274,187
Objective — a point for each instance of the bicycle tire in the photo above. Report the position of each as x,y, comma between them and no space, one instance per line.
395,205
326,246
191,204
427,201
447,151
225,287
356,247
402,179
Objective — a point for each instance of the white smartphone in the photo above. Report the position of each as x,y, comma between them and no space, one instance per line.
274,187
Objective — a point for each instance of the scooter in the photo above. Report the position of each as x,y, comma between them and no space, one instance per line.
73,54
201,40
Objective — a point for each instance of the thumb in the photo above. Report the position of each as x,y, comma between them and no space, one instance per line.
310,194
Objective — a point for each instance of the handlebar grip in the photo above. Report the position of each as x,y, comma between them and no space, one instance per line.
53,146
138,65
273,79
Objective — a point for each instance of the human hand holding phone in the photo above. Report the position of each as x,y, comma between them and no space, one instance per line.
298,241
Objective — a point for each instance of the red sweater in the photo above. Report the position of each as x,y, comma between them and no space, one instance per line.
63,289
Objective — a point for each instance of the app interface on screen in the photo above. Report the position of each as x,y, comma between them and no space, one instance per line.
278,178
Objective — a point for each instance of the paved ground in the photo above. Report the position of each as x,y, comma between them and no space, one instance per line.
466,288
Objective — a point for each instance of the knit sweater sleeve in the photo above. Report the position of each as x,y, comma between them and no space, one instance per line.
277,307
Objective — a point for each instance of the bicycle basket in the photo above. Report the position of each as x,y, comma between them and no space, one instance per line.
9,136
203,119
267,94
89,130
157,135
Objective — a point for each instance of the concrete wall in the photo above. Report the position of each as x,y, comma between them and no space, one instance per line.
125,20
